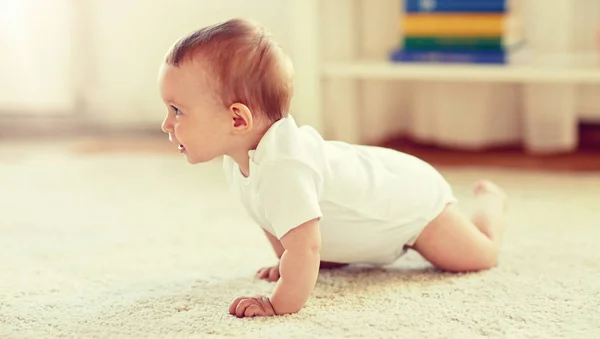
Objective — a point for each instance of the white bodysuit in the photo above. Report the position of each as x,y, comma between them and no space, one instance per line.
372,201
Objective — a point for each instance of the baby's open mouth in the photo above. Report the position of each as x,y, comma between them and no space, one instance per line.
181,148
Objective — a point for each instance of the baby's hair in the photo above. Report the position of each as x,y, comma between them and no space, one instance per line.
248,65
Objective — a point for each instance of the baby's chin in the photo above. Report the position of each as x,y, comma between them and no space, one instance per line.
194,159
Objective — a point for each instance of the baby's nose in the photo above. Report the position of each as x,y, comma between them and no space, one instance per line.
166,126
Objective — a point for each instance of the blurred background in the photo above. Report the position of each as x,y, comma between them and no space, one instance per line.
455,74
83,66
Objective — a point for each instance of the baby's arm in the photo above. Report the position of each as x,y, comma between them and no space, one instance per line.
277,247
271,273
289,194
299,268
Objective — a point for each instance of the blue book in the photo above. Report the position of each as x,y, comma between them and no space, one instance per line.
472,6
479,57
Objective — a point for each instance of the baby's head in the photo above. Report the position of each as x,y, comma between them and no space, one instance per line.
223,85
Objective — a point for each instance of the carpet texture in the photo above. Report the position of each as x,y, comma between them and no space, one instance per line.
146,246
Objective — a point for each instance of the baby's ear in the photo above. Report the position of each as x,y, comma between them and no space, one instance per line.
241,118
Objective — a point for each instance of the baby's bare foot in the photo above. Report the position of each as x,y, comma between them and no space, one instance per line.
487,189
491,209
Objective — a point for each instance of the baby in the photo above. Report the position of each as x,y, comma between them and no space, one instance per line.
321,203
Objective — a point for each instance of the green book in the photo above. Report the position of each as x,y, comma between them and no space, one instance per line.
412,43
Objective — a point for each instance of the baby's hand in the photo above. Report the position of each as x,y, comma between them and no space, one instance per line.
251,307
269,273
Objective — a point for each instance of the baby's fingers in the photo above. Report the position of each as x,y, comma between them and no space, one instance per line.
240,310
253,310
273,274
262,273
234,305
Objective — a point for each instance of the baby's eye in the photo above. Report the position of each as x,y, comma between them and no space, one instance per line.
176,110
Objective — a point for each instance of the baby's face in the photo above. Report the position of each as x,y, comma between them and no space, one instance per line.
196,122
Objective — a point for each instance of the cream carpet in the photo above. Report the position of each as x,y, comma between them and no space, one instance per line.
147,246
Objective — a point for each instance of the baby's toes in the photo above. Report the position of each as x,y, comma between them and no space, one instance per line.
481,187
488,187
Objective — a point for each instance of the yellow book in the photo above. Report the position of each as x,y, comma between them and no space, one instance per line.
455,25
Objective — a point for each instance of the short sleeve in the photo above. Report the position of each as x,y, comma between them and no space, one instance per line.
289,192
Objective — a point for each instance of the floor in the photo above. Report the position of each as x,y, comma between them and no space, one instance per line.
123,239
582,160
585,158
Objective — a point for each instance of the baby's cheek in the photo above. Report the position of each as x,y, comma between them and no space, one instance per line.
179,129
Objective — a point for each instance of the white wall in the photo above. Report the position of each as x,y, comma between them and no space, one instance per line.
128,40
35,59
119,45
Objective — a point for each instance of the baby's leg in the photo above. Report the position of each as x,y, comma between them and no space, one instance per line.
454,243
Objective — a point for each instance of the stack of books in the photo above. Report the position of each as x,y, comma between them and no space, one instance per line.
454,31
